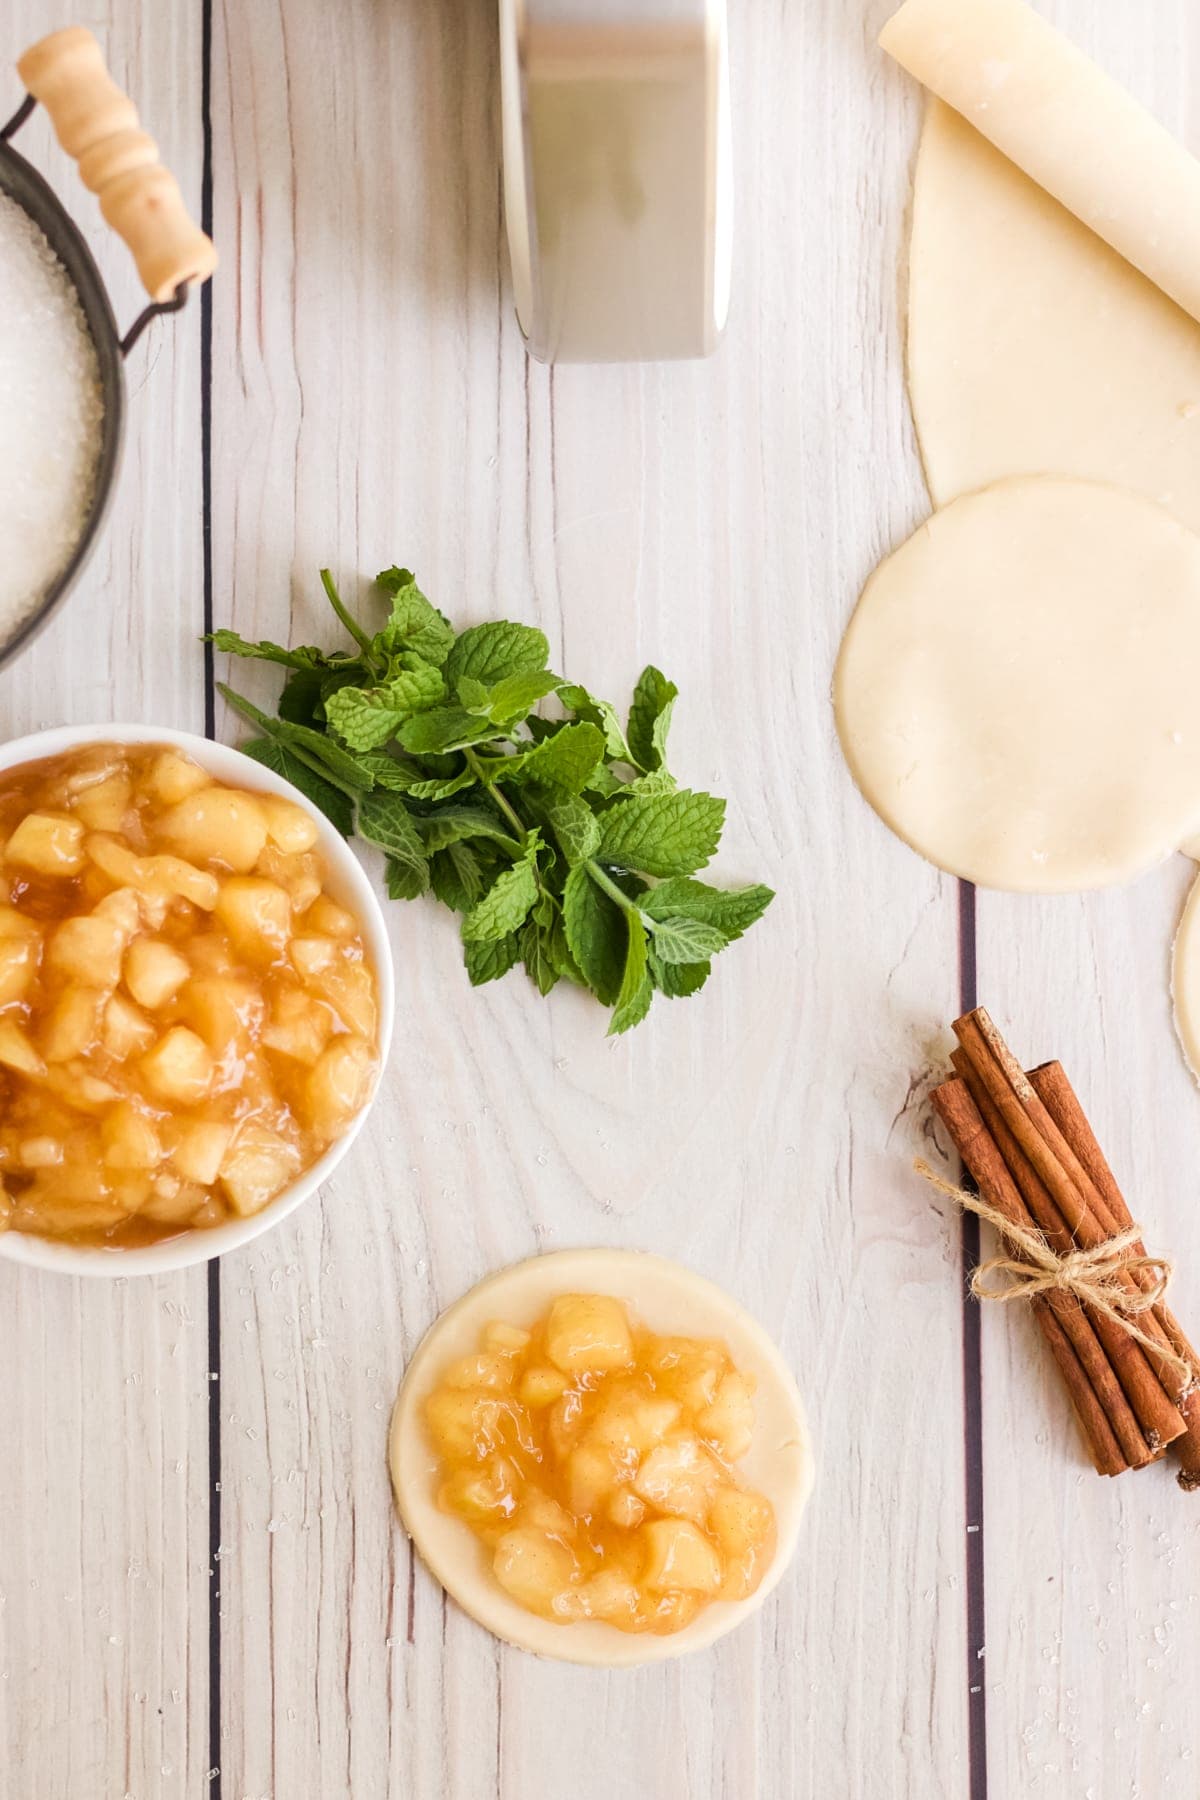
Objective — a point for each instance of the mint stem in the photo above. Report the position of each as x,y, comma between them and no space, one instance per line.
608,886
495,796
352,625
272,728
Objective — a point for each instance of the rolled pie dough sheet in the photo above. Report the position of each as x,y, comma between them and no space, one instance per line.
1185,980
669,1299
1016,692
1069,126
1032,346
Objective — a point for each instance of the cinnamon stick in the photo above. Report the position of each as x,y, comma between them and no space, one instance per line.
1108,1422
1054,1090
1082,1207
1158,1416
1106,1452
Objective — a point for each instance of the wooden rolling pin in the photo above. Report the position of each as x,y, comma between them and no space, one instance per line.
98,125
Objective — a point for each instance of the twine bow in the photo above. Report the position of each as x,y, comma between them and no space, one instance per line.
1093,1277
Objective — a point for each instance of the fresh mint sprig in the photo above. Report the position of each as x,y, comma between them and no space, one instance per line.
564,843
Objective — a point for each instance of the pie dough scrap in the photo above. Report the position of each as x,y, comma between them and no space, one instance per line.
1015,693
1032,346
669,1299
1076,132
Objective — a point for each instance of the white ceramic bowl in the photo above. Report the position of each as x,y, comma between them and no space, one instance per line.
347,883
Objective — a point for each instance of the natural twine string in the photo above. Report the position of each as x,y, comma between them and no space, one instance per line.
1092,1276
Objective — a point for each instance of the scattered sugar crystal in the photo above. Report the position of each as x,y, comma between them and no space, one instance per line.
51,410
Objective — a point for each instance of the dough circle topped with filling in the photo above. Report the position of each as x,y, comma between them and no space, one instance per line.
668,1300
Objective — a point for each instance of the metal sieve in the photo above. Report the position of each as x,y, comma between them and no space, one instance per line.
98,125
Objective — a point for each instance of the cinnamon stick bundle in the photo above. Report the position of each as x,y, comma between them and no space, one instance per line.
1133,1376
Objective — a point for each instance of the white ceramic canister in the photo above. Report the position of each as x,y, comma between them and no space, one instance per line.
617,175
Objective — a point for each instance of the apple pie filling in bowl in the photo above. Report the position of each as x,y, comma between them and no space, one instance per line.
195,998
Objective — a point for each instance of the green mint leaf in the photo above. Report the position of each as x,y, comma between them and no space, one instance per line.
656,782
599,713
367,717
414,624
402,778
732,911
337,761
454,824
507,903
510,699
537,953
414,684
605,784
546,910
683,940
491,958
341,767
349,671
456,876
650,718
676,981
540,729
568,759
302,700
445,728
384,820
405,880
394,580
490,653
304,656
597,934
301,696
636,990
559,952
632,1012
336,805
662,834
364,718
474,697
574,824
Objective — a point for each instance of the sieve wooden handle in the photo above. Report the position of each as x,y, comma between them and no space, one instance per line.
98,125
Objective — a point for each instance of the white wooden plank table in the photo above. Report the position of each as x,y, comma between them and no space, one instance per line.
202,1587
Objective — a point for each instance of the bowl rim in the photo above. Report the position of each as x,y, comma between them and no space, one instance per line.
348,877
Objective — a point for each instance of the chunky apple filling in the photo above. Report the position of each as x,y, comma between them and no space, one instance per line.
596,1462
187,1019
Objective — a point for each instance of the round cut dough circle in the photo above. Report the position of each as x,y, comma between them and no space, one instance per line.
668,1300
1033,348
1185,980
1016,692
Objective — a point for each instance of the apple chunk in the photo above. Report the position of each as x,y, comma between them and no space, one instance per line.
180,1067
18,964
217,824
16,1051
48,843
154,973
588,1334
258,1166
678,1477
533,1568
257,915
679,1556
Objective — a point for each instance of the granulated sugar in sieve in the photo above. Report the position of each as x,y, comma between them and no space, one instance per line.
51,411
